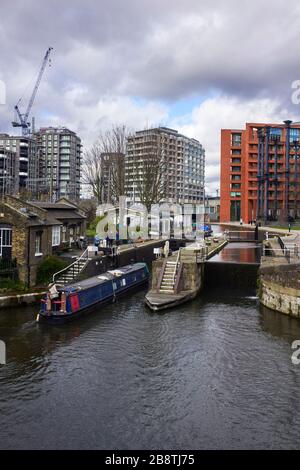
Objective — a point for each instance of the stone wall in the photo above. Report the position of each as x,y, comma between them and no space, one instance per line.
280,288
23,242
191,276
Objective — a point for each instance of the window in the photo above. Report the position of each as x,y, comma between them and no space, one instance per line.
236,139
235,168
5,242
55,235
38,244
64,231
294,134
234,194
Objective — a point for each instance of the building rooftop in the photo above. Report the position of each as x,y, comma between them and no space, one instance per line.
164,129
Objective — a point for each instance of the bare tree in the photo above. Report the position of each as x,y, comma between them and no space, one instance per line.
103,168
92,171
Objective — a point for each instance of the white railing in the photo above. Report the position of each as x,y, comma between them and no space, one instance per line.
287,251
178,257
83,256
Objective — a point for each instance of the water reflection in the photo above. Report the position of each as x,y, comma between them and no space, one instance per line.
214,373
279,325
242,252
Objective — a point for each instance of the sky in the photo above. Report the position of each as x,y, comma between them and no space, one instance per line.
193,65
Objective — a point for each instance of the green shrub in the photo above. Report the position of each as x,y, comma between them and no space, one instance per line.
91,230
11,285
47,267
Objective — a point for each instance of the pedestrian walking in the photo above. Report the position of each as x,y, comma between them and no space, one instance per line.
96,240
108,241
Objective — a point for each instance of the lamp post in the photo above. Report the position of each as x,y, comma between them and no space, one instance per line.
266,175
276,139
296,148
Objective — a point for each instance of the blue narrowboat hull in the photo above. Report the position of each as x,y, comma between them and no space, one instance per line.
88,297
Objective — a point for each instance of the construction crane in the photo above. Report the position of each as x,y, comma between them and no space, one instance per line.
23,118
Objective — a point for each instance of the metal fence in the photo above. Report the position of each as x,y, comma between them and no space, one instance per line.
8,269
286,250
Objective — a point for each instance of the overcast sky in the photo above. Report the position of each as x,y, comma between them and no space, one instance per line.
194,65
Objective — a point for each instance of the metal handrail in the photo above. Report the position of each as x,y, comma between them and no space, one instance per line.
178,256
178,279
82,256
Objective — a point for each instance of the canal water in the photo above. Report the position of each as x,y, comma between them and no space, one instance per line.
237,252
215,373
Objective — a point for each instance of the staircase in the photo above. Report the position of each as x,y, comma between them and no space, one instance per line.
71,272
169,278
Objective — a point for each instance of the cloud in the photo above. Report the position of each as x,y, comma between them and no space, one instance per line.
90,118
132,61
224,112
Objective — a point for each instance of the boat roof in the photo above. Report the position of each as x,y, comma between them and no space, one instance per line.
101,278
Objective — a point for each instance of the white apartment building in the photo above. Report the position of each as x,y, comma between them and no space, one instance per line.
183,167
60,161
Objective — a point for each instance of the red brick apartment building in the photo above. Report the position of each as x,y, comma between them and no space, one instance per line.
260,173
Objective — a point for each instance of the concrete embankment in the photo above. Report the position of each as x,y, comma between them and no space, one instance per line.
189,279
279,287
20,300
280,276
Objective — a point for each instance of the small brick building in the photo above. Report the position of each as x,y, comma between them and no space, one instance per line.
30,231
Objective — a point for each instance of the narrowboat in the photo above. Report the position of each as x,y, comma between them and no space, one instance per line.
65,303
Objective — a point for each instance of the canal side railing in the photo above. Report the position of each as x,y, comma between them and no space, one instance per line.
74,269
8,269
286,250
